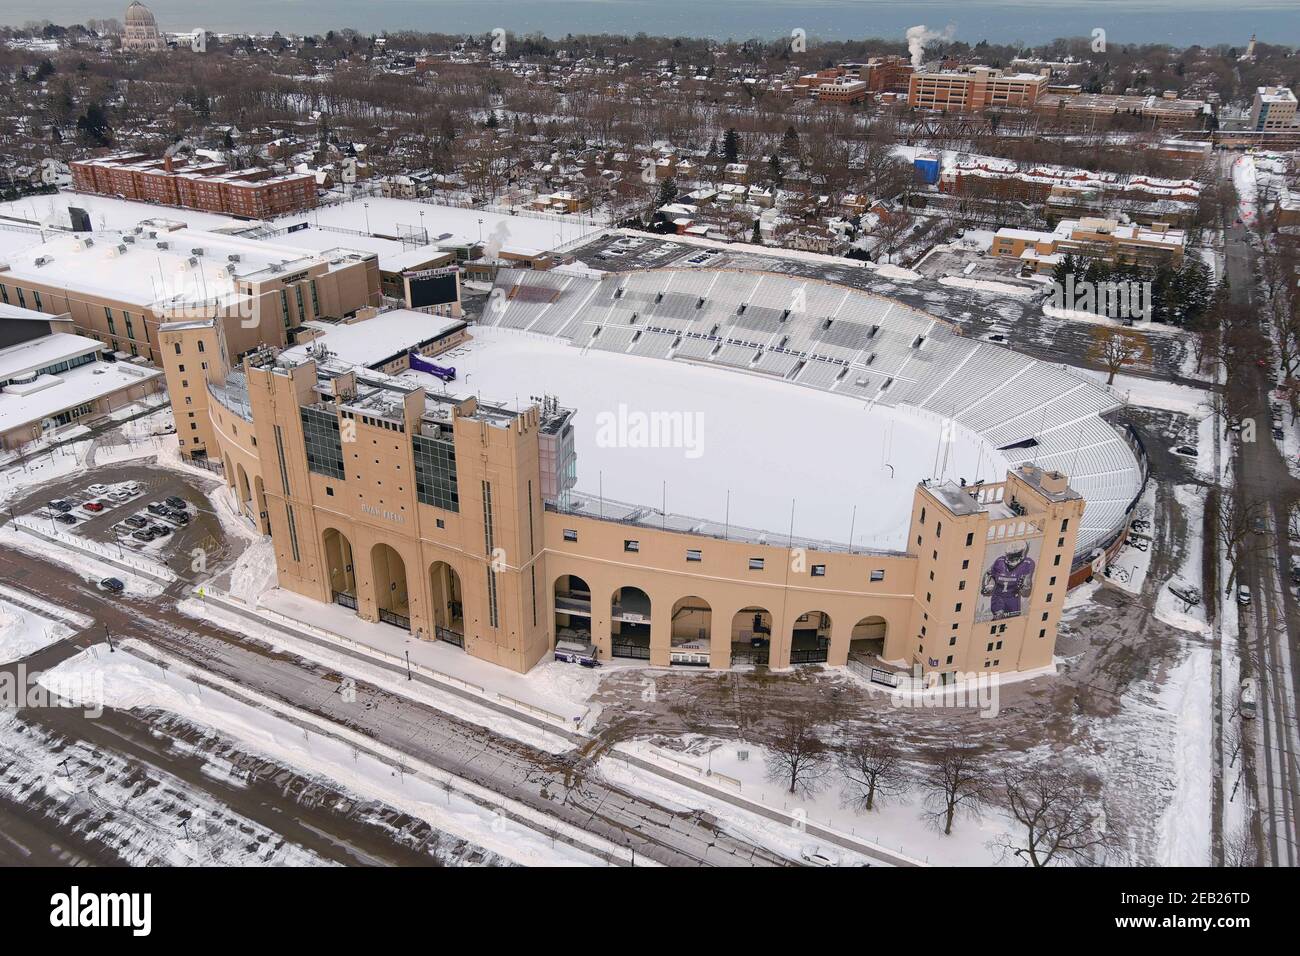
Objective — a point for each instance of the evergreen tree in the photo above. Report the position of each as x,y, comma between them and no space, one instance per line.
731,146
757,237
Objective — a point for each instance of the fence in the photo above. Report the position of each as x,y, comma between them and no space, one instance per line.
149,569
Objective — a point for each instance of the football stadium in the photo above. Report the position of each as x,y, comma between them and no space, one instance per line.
679,467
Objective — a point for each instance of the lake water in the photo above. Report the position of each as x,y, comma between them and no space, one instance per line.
1178,22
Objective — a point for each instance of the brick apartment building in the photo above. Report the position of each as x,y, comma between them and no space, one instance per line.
204,185
974,88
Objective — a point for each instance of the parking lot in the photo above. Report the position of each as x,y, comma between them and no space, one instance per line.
157,514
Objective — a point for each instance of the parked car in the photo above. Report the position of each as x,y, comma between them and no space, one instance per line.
816,858
180,517
112,584
119,496
135,521
1249,698
65,519
160,530
142,535
134,487
97,489
157,508
94,506
1243,595
175,502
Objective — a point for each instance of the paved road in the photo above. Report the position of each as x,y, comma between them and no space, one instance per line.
556,785
1271,747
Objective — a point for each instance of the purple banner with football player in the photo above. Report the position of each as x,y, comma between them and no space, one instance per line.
1008,577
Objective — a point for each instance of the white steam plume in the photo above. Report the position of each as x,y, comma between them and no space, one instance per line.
919,36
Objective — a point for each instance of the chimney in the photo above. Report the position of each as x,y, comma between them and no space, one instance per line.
167,164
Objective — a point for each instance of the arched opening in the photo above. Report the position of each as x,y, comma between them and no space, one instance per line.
572,609
868,638
751,635
629,624
230,473
245,492
691,627
448,606
391,597
338,565
259,498
810,638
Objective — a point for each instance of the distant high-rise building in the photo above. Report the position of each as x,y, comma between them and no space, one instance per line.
141,29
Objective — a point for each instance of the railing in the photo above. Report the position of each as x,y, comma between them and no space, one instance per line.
450,636
817,656
639,652
573,602
389,617
345,599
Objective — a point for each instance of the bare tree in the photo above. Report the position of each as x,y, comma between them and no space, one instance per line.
1236,522
1240,847
797,757
1116,348
873,770
955,783
1057,819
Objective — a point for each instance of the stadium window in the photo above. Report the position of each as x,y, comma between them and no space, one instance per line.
952,641
970,538
965,565
1060,542
877,575
1065,524
997,646
177,346
1048,599
180,368
633,546
922,516
756,564
570,534
694,555
819,570
1045,615
938,529
989,648
37,297
949,660
440,523
4,294
200,345
1051,582
1057,562
957,609
1042,633
22,299
961,585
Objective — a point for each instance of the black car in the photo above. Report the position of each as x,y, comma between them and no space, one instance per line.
175,502
65,519
142,535
135,521
160,530
180,517
60,506
112,584
158,508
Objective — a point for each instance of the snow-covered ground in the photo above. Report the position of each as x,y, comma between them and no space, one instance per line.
396,217
313,746
897,824
23,632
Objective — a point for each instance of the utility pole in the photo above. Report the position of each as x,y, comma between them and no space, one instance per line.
408,665
109,637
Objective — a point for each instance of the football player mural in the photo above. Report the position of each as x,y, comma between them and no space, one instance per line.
1008,578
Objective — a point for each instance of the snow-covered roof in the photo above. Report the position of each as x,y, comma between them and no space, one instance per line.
51,394
375,340
43,352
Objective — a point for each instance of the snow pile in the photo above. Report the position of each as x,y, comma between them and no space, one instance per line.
23,633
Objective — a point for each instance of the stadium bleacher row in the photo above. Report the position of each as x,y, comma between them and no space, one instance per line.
845,341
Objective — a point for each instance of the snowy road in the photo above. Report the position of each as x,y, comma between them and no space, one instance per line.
558,786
